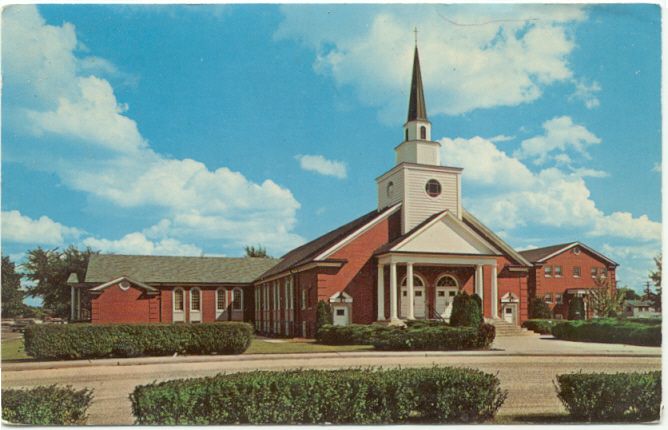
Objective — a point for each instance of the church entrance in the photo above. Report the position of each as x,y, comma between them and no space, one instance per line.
419,295
446,290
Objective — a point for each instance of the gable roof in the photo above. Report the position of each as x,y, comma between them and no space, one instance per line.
168,269
540,255
420,229
472,221
309,251
141,285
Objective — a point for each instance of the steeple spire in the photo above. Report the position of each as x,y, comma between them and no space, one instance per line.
417,111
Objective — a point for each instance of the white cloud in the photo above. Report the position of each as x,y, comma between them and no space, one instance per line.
137,244
19,228
85,136
586,94
512,196
472,56
501,138
323,166
561,134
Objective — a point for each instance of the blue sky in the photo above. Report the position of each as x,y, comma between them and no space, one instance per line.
199,129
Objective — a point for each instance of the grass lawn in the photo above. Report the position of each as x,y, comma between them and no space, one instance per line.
12,349
259,346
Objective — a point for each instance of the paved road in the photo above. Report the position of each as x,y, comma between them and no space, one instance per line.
527,378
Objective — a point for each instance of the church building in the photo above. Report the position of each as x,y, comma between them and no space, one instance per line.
405,259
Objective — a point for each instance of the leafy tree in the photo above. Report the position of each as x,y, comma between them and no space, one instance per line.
628,293
655,277
323,315
49,269
260,251
538,309
576,308
466,311
12,296
603,300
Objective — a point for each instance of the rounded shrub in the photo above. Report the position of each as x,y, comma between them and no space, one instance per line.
466,311
576,309
538,309
46,405
323,316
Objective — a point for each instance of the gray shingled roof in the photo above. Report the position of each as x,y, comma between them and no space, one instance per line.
537,254
147,268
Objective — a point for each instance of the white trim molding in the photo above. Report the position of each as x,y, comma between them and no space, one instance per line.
148,288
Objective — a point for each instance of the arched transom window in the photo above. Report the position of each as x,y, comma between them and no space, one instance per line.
417,281
447,281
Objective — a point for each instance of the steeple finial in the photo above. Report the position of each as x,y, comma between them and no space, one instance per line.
416,105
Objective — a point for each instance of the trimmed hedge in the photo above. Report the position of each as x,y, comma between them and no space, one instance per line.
75,341
609,330
350,396
601,397
354,334
443,338
46,405
422,335
542,326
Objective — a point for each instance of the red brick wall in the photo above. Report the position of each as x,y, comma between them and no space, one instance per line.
542,285
114,305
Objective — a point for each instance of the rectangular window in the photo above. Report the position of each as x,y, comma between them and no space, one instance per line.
236,300
341,312
548,298
178,300
194,300
558,298
576,271
220,300
604,272
557,271
303,298
593,272
548,271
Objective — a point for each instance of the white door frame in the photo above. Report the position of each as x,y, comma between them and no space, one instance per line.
514,308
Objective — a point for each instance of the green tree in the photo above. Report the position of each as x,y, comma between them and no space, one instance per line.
323,315
466,311
655,277
49,270
12,296
538,309
259,252
628,293
603,300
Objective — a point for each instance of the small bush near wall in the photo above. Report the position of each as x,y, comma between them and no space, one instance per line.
44,405
75,341
538,309
351,396
540,325
609,330
576,310
620,397
466,310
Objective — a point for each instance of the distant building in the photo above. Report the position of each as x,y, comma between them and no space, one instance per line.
640,309
406,259
560,272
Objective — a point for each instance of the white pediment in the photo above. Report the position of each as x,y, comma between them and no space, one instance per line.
446,234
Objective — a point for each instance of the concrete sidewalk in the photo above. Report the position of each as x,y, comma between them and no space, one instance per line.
529,346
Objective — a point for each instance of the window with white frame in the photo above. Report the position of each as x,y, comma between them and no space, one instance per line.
178,300
557,271
237,299
221,299
548,298
576,271
558,299
195,299
548,271
593,271
303,298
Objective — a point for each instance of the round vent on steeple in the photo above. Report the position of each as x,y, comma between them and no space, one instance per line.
433,188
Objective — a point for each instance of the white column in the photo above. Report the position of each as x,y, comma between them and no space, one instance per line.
72,303
393,292
410,294
478,280
495,294
381,292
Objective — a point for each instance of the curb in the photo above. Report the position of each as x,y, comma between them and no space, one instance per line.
17,367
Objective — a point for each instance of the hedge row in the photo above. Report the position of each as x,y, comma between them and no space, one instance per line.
44,405
542,326
351,396
616,397
427,337
609,331
74,341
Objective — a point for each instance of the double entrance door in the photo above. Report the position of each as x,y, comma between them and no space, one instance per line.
418,302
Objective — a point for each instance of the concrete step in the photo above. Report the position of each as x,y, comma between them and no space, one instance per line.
504,328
